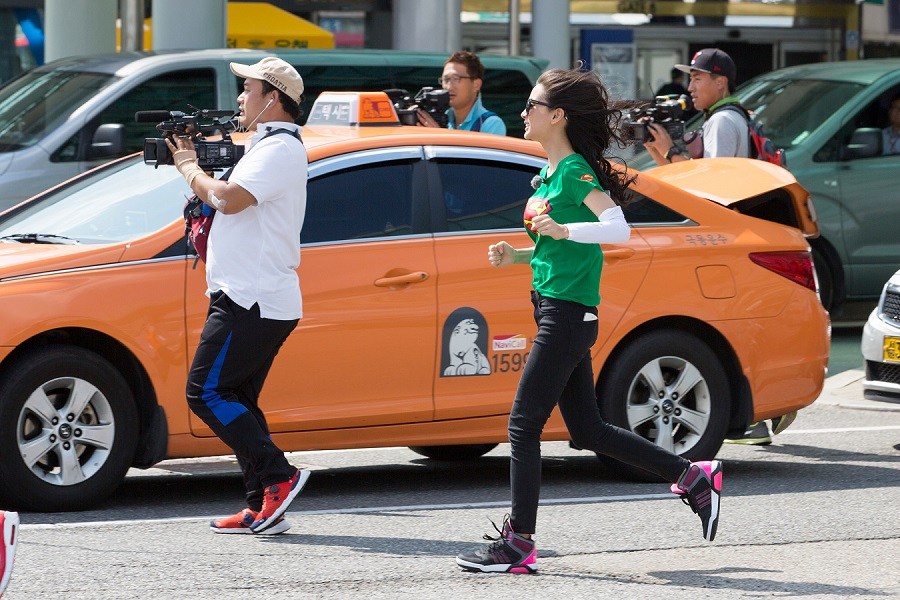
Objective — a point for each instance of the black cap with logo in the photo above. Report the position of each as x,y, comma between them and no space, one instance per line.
711,60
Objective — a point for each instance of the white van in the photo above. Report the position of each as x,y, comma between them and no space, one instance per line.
72,114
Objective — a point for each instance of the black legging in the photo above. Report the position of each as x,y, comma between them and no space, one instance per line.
236,351
559,370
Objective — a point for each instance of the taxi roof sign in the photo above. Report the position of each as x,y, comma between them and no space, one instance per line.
353,108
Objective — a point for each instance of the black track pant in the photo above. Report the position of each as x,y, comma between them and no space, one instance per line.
559,370
236,351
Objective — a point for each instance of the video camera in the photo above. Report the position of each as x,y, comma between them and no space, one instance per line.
213,155
668,111
432,101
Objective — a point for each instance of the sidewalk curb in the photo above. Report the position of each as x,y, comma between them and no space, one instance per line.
845,390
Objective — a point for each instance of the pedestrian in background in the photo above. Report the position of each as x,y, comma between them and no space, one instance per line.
675,87
574,209
255,302
725,133
463,77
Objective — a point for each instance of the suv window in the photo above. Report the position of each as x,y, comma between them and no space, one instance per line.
471,206
504,92
370,201
775,102
874,115
178,90
40,101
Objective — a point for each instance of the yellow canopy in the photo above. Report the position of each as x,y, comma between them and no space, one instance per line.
259,25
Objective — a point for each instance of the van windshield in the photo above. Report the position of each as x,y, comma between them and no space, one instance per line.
40,101
792,109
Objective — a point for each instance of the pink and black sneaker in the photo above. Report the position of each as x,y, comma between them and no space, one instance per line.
9,530
509,553
701,488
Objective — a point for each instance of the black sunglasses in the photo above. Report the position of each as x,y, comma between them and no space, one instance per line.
529,104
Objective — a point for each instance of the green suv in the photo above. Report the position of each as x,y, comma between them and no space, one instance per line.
828,118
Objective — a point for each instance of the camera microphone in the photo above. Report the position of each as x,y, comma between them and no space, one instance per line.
536,181
151,116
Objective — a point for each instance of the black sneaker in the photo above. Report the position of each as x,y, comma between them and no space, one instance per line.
509,553
701,488
756,435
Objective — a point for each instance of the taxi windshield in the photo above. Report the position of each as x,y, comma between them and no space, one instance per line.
790,110
40,101
125,201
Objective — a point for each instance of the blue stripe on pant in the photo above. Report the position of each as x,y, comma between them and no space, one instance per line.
236,350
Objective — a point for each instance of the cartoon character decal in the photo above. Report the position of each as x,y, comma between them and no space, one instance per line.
464,344
535,207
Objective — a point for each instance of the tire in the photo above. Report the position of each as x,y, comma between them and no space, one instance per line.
68,430
462,452
830,290
670,388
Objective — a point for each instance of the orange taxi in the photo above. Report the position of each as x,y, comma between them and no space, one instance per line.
709,316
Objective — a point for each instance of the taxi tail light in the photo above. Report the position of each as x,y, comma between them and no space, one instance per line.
796,266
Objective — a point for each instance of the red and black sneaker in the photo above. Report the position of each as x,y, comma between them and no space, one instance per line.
276,500
241,522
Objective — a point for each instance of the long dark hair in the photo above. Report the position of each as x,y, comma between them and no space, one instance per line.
592,124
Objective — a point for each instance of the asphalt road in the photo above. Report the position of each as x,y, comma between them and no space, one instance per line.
815,515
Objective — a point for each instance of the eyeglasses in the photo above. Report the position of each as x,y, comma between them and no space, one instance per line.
529,104
452,79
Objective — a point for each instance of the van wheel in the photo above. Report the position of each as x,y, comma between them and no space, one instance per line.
462,452
68,430
669,388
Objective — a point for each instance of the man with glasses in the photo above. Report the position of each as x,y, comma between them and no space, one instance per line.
462,78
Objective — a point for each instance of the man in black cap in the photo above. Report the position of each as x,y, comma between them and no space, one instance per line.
725,132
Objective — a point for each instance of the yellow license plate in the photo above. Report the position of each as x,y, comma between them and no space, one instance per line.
891,349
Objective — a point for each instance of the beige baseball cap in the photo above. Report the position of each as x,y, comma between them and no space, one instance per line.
277,72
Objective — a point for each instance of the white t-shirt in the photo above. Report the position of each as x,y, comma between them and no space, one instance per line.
726,133
253,255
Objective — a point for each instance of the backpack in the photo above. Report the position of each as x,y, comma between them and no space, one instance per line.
198,216
476,126
761,146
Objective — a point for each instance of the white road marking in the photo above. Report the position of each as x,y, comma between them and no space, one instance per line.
364,510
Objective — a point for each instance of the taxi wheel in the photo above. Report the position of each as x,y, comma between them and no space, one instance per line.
462,452
669,388
68,430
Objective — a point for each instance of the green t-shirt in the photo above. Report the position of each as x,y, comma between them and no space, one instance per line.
564,269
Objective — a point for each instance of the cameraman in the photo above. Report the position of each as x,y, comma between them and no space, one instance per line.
725,132
255,302
462,78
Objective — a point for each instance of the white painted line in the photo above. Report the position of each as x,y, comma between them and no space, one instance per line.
838,430
361,510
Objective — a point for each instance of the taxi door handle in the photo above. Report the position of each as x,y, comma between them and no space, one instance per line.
414,277
611,256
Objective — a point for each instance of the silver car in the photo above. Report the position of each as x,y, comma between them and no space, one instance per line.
881,345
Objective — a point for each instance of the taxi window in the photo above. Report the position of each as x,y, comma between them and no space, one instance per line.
472,206
177,90
640,211
371,201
